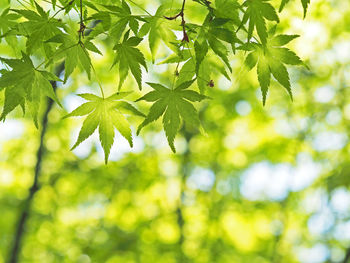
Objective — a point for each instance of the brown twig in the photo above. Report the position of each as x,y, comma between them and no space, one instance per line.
183,21
81,23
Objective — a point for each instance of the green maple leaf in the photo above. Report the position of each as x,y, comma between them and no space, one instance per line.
73,52
201,50
7,22
125,18
305,4
179,56
25,84
106,114
38,28
186,73
159,29
189,69
174,105
227,9
257,12
212,35
271,59
203,75
129,58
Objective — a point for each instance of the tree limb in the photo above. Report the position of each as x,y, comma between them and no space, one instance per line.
25,211
347,256
26,206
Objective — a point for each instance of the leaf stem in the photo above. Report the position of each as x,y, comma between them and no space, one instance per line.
50,2
60,10
20,2
176,73
139,6
98,81
81,11
63,50
82,25
93,69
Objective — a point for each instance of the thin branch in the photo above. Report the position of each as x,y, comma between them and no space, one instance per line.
183,21
61,9
82,25
185,164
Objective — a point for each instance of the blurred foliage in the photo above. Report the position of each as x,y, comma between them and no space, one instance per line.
259,184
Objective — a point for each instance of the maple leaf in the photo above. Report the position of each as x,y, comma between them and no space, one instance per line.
159,29
186,73
174,105
7,22
25,83
129,58
305,4
106,114
212,35
123,13
203,76
73,52
227,9
201,50
38,27
270,59
257,11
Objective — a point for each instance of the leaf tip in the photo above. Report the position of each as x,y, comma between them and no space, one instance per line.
139,129
74,146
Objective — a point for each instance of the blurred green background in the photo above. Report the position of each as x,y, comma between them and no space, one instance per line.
259,184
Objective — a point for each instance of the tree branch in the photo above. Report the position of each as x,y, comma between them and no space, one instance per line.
81,23
185,164
183,21
347,256
25,213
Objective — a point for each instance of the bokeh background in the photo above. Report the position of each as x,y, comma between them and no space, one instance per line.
258,184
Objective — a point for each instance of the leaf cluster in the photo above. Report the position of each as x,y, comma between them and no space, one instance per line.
53,37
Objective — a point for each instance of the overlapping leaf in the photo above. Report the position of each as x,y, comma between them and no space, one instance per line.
305,4
107,115
73,53
158,29
24,84
271,59
7,22
38,28
257,12
129,58
173,105
212,35
227,9
124,18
